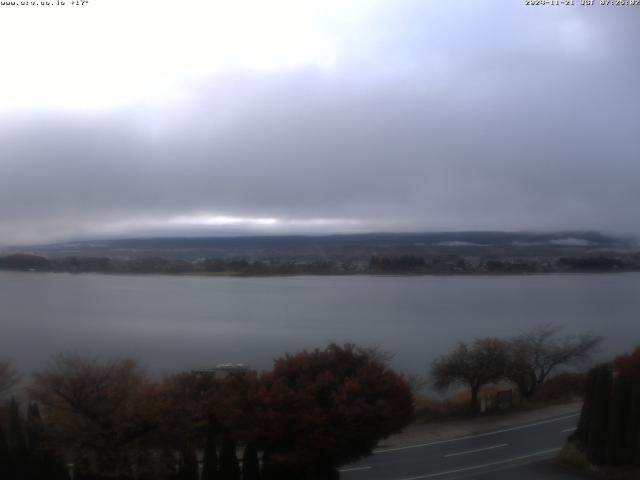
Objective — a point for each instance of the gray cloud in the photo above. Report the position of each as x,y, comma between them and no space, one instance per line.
450,117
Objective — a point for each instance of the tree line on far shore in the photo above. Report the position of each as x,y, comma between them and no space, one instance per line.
377,264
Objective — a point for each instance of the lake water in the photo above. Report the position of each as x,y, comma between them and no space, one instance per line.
171,323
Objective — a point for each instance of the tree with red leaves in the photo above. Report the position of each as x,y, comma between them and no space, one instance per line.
628,366
328,407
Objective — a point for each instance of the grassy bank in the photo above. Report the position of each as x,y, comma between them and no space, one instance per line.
561,389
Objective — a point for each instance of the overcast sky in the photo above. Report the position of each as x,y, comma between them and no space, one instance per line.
152,117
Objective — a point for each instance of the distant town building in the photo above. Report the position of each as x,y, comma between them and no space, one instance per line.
222,370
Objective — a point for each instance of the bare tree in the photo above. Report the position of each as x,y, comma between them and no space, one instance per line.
535,354
377,353
9,378
95,408
417,382
485,361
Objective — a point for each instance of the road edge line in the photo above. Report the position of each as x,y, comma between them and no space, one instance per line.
477,435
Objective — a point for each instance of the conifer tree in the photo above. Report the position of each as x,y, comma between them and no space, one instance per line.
36,460
582,432
17,439
44,464
5,457
17,443
166,465
210,458
267,470
188,464
229,467
272,470
632,443
83,468
144,465
618,421
250,463
33,427
599,421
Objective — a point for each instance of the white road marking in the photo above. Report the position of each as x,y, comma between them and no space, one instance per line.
477,450
484,465
353,469
479,435
569,429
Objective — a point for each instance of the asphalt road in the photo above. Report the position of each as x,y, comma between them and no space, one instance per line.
521,452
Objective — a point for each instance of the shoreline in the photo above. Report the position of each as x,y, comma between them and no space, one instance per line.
330,274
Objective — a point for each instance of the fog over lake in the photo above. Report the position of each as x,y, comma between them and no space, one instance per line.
171,323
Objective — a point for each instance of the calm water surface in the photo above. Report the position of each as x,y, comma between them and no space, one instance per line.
172,323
